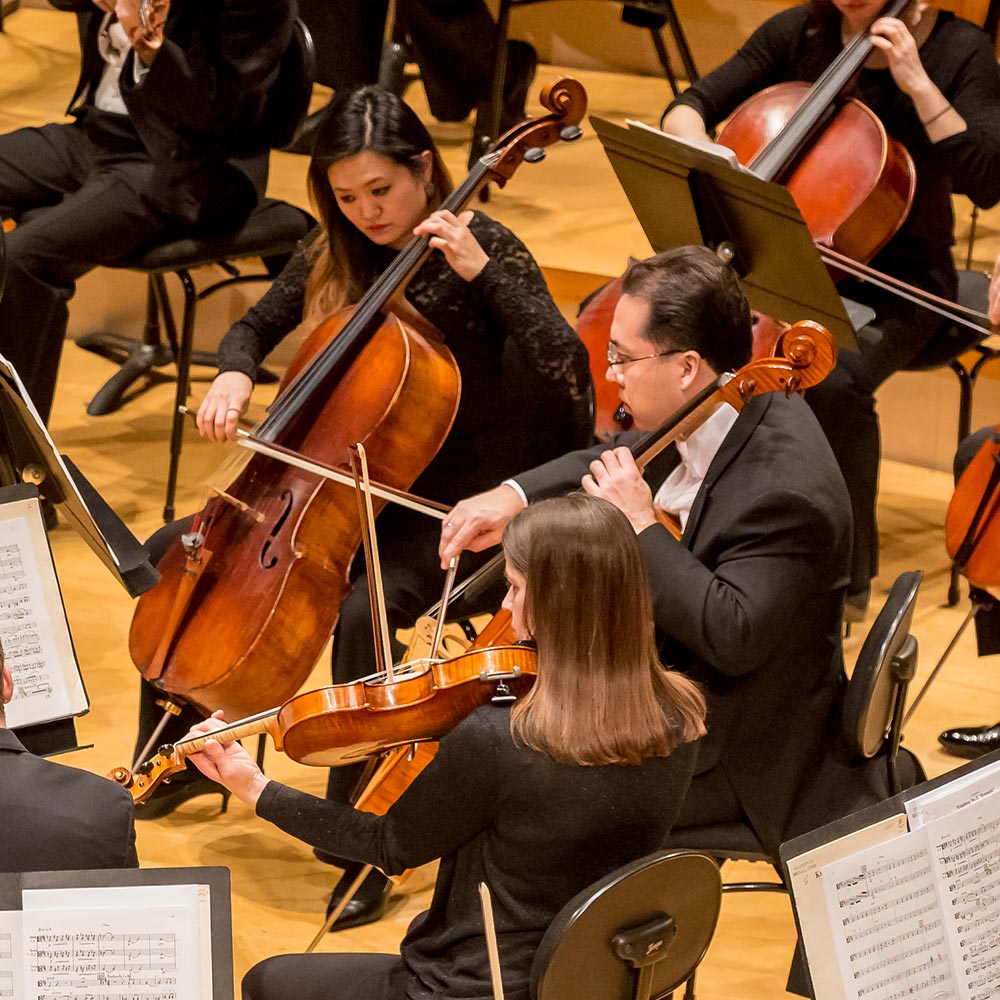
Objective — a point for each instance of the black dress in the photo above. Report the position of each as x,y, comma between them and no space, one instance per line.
959,59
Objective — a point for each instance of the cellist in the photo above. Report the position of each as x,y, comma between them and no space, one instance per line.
932,80
539,800
376,178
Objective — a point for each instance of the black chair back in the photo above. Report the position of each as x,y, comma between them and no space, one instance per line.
289,97
873,705
638,933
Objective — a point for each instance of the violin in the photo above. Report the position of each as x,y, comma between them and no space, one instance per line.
347,723
246,606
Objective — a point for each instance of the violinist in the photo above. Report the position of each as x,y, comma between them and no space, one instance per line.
748,602
932,80
540,800
376,179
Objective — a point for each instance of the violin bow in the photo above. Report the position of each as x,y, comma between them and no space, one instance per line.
492,948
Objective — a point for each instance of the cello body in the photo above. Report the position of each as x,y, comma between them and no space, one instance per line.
295,541
854,184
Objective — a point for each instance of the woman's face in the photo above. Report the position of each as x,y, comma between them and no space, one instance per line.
382,198
514,602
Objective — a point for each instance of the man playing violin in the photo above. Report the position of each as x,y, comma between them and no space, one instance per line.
931,79
748,602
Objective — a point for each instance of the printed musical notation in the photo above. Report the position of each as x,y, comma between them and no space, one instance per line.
33,627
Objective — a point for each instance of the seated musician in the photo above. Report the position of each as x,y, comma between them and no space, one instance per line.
932,80
974,741
540,800
375,179
749,601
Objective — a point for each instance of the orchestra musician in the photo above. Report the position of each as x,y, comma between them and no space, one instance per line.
749,601
375,179
975,741
538,800
57,817
932,80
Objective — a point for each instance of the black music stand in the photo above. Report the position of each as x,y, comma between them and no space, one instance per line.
695,193
28,455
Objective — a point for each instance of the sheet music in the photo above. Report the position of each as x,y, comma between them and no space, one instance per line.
33,628
123,943
11,985
805,874
965,853
956,794
891,941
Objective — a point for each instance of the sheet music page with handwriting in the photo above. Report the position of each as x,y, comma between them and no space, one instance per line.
124,943
33,628
890,936
965,854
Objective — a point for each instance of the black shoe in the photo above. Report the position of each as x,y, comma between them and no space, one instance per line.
305,136
170,795
971,741
369,904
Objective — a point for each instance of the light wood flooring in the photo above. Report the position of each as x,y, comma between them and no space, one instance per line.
572,214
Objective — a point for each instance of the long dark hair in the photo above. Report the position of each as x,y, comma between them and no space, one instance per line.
601,696
343,260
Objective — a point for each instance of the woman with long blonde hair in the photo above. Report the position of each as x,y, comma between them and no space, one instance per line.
539,801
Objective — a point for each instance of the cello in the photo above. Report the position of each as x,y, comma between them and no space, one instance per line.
246,606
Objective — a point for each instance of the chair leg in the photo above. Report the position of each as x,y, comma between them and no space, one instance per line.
183,385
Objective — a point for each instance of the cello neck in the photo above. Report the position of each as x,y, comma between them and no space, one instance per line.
772,161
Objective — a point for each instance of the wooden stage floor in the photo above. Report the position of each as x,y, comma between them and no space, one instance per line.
572,214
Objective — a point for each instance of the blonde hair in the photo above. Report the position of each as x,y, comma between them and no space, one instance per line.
601,695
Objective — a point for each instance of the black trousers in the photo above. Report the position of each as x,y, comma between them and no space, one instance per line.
844,404
78,205
453,43
327,977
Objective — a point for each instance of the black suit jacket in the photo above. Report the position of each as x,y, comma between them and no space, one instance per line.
58,818
202,110
749,602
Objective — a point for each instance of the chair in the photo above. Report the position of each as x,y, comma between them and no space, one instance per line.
659,8
635,935
271,233
871,723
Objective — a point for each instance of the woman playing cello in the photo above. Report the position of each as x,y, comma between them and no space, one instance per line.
932,81
375,179
584,774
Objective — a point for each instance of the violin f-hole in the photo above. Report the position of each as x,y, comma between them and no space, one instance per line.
268,561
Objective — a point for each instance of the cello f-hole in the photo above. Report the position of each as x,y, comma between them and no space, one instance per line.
268,561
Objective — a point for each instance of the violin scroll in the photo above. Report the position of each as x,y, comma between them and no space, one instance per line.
148,776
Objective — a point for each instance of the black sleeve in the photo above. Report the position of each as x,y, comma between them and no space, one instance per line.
513,288
214,85
452,799
761,62
733,616
972,158
249,340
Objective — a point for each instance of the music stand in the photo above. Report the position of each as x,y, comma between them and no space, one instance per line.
694,193
28,455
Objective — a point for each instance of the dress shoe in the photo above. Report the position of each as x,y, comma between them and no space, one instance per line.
369,904
170,795
971,741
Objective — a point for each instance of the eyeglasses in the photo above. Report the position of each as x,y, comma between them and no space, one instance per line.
616,360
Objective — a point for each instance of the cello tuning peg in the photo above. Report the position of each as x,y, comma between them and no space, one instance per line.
534,154
570,133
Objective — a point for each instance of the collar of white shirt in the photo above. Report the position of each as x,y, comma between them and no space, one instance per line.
677,492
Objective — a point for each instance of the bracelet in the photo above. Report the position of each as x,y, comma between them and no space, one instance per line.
934,118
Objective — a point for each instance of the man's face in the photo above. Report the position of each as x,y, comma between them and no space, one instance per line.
650,388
